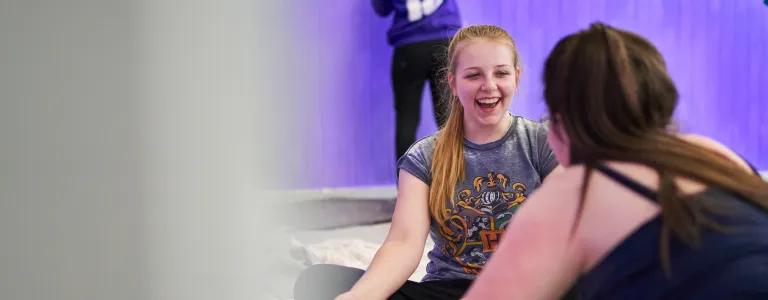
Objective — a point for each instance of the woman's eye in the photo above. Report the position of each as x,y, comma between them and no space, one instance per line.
502,74
472,76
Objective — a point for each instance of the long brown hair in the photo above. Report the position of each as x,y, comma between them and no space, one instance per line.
609,89
448,159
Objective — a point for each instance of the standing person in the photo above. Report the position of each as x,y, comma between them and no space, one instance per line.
641,211
461,185
420,32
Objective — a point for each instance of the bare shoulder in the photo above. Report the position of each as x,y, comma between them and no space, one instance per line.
558,188
703,141
563,177
716,146
708,143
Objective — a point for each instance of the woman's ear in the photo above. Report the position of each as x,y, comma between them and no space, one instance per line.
518,73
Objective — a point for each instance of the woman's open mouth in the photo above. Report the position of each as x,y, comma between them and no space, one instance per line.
488,103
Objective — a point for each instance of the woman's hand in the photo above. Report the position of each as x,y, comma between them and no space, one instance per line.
401,251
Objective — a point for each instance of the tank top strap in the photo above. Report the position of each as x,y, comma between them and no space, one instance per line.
628,182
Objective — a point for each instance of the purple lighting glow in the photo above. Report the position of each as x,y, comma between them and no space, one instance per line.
716,51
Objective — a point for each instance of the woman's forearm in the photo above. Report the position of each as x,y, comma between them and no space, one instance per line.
393,263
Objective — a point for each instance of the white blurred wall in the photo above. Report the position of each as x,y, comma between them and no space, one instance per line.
134,139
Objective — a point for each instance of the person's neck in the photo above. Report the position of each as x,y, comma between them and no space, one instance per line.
485,134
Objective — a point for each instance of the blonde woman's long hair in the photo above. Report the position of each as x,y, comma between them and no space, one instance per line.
448,158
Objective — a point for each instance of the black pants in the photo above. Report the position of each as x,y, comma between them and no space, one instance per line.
412,65
325,282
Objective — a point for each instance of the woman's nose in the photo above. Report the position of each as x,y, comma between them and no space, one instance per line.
488,85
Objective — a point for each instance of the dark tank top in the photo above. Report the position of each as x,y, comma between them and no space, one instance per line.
725,265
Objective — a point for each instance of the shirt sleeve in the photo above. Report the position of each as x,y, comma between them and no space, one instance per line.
418,160
547,160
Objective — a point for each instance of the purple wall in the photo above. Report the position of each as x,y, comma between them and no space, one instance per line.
717,53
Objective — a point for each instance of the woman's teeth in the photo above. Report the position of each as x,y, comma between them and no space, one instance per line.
487,102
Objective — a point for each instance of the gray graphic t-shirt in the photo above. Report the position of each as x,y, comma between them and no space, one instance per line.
499,177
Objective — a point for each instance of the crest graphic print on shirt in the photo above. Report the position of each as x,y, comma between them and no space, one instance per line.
478,218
